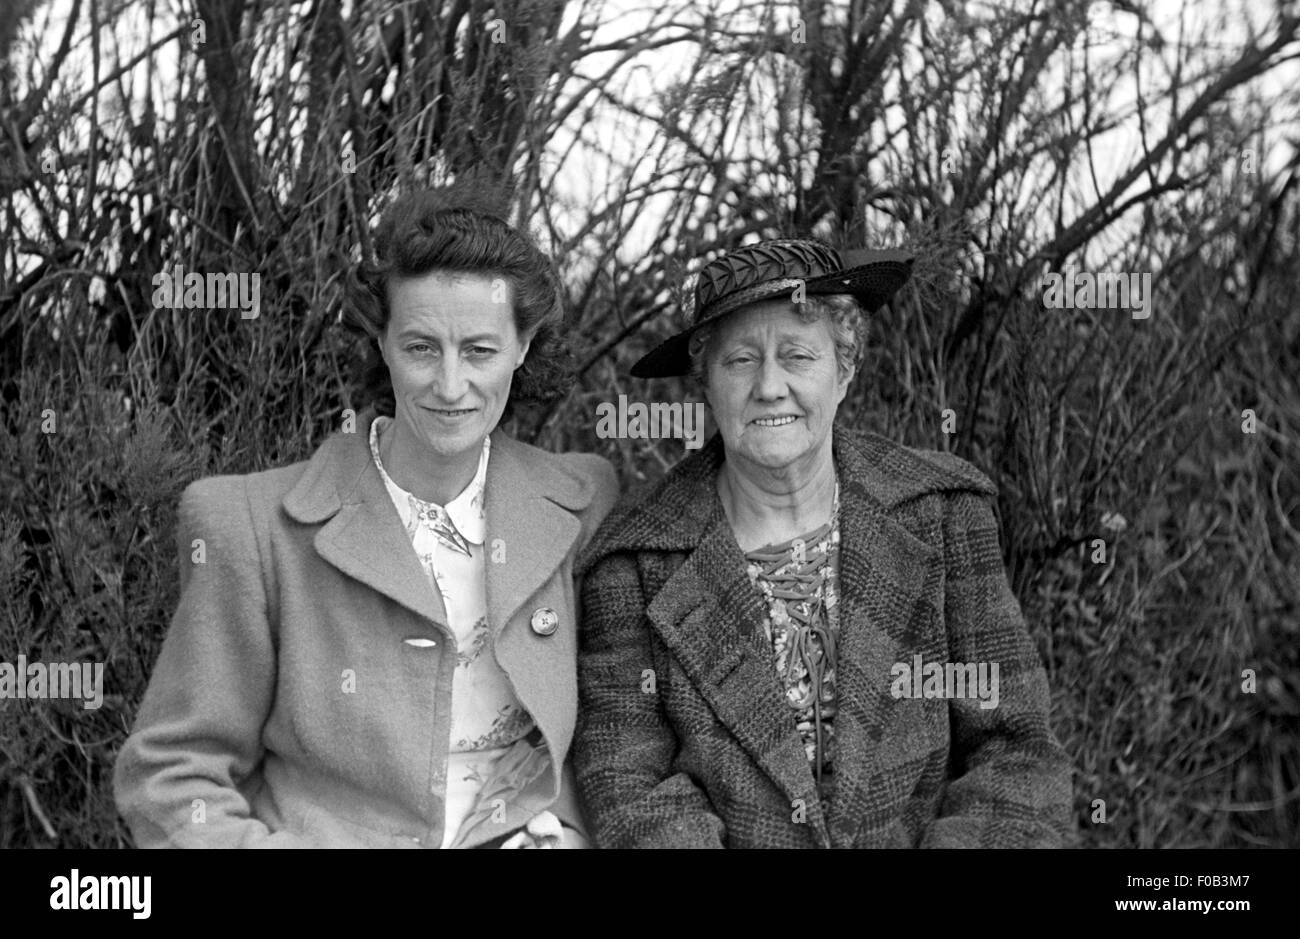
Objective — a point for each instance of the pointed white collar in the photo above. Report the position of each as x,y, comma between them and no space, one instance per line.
467,512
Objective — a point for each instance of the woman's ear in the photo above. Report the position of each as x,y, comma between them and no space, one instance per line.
846,379
524,343
703,385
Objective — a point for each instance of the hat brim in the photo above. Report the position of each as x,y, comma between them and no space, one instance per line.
873,277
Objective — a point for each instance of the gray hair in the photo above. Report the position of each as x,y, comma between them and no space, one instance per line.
848,329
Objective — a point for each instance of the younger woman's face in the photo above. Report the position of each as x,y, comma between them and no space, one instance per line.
452,348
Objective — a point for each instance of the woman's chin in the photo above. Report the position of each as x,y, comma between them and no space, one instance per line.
462,444
775,459
450,444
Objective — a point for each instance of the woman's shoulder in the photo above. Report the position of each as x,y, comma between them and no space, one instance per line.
667,516
227,487
227,499
592,471
581,482
896,473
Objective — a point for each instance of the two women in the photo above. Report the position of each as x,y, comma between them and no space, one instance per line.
375,647
747,623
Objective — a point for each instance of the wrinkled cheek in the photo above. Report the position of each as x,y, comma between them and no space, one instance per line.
408,384
497,401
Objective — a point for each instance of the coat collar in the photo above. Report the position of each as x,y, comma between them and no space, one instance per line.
671,517
530,525
708,613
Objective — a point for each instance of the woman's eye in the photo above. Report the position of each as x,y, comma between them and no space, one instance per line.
481,352
419,348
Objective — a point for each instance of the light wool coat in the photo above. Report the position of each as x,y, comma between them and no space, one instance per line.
302,696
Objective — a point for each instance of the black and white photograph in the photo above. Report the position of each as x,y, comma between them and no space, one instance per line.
603,425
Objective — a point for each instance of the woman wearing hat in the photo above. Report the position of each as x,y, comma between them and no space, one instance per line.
803,636
376,647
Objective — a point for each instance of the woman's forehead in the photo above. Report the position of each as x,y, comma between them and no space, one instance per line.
457,303
776,319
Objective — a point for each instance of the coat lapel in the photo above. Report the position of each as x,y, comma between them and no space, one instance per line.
710,616
531,530
363,535
530,527
886,574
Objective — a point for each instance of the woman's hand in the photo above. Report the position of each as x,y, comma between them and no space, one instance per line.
544,830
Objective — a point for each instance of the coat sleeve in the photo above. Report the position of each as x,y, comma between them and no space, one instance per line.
197,737
1011,785
624,746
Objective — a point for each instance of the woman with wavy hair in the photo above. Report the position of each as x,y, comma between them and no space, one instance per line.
376,646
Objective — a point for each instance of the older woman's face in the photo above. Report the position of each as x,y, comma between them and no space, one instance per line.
773,384
451,347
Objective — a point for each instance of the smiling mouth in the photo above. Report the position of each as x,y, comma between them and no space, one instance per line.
775,421
451,412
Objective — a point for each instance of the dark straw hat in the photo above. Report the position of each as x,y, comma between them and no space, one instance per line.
772,268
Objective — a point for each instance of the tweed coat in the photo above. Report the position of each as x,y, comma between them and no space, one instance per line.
684,739
302,695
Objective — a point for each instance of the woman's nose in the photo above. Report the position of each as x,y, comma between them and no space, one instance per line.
451,383
769,383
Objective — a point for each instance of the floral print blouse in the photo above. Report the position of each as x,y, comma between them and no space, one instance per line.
486,716
799,580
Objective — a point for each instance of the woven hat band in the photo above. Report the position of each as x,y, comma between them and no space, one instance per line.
784,286
784,259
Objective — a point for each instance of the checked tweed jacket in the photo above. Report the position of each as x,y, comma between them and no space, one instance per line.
684,739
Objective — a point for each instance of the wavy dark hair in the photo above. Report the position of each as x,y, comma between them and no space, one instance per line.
460,230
